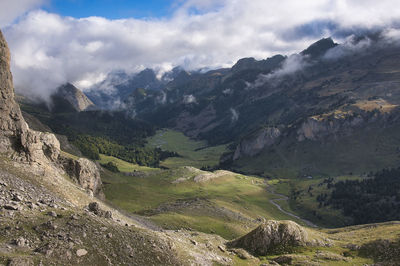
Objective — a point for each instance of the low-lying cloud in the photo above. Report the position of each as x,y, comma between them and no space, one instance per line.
49,50
290,65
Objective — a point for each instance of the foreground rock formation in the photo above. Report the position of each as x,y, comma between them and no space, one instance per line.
273,237
85,173
15,135
33,147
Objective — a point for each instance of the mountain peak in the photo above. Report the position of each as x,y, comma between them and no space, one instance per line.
244,63
319,48
75,97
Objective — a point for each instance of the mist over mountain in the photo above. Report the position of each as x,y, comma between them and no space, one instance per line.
327,91
51,50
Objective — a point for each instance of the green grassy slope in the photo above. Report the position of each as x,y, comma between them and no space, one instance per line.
193,153
228,205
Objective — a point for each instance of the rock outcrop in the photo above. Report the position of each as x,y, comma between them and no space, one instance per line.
85,173
315,128
34,147
272,237
256,142
15,134
11,123
207,176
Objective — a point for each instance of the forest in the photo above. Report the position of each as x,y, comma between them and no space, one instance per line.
370,200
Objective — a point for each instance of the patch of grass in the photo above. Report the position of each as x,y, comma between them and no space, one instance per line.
68,155
123,166
206,224
193,153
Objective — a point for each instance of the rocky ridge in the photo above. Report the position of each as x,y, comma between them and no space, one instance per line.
36,149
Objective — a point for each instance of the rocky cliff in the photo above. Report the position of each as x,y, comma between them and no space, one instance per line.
15,135
33,147
256,142
85,173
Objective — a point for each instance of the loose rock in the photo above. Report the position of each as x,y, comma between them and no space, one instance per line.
81,252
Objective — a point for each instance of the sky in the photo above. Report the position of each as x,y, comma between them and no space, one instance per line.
112,9
80,41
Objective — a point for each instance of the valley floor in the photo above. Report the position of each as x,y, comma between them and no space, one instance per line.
229,205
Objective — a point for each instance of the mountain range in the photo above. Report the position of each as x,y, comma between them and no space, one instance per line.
283,116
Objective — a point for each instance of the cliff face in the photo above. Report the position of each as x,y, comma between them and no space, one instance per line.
315,128
15,135
255,143
33,147
85,173
11,122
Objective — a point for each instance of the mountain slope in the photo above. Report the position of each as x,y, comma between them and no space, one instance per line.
326,96
68,97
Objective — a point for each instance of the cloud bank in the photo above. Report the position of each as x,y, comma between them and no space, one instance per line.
12,9
49,50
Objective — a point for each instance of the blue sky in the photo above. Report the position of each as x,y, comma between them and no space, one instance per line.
112,9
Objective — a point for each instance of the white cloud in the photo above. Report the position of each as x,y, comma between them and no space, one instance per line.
49,50
234,115
12,9
188,99
290,65
350,46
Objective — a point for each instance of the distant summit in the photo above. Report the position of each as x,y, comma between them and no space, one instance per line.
319,48
70,98
264,65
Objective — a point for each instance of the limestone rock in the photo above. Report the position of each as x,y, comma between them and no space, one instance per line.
81,252
40,147
15,134
52,214
32,146
317,127
85,173
272,237
95,208
12,124
255,143
206,176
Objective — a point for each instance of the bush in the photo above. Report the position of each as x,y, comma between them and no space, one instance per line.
111,167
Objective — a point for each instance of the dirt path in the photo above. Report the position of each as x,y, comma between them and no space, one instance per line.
285,198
